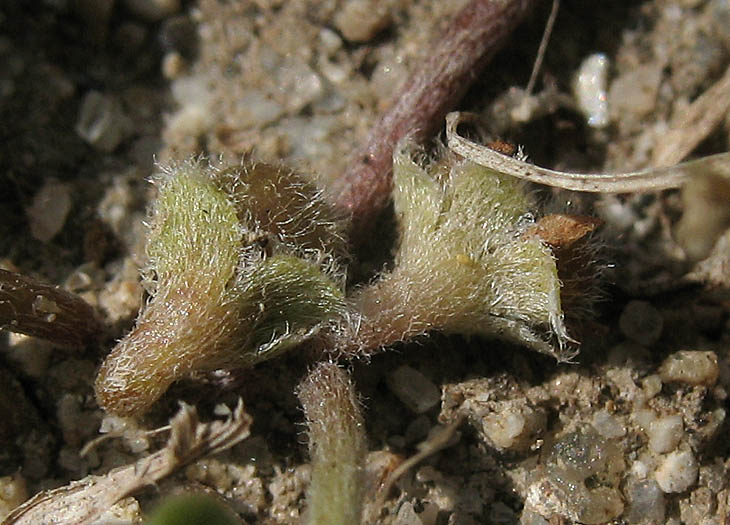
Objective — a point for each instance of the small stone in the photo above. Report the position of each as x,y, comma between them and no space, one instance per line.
571,464
514,426
417,430
677,472
12,493
665,433
173,65
414,389
153,10
646,503
299,85
102,122
608,425
255,108
530,517
590,89
641,322
690,367
124,512
407,515
644,417
31,354
362,20
635,92
330,41
652,385
603,505
49,209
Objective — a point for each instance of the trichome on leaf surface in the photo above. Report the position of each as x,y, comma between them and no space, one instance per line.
245,264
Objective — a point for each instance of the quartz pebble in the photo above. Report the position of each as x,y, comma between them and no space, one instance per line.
665,433
607,425
102,122
407,515
572,463
590,89
514,425
677,472
48,210
635,92
299,85
414,389
361,20
652,385
690,367
255,108
646,503
12,493
641,322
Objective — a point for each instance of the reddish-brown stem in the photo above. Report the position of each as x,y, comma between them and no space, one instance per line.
42,310
442,78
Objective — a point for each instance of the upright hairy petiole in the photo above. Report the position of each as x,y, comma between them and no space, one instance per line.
337,446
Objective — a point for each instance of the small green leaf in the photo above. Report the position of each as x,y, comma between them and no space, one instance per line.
192,509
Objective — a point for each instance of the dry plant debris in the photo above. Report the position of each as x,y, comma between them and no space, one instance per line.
85,500
652,179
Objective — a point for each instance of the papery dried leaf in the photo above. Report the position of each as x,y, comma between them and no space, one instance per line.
561,230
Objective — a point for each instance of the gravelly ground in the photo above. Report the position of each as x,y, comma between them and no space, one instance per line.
634,431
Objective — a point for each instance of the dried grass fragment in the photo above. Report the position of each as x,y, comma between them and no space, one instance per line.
81,502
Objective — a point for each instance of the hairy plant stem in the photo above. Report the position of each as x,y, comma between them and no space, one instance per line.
473,37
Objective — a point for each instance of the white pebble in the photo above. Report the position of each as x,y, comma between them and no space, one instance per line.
639,469
102,122
414,389
677,472
690,367
665,433
514,427
644,417
299,85
255,108
49,209
362,20
590,89
652,385
607,425
634,93
12,493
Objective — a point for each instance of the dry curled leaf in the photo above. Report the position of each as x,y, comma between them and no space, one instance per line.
562,230
81,502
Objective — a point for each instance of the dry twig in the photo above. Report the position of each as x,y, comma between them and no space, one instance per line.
694,124
644,180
